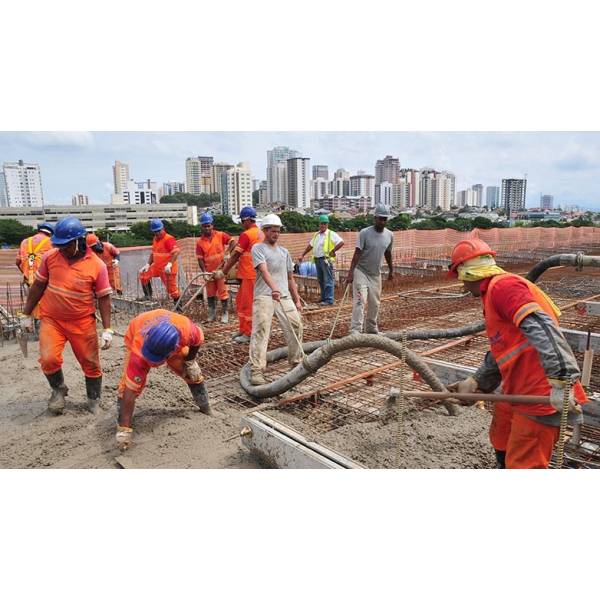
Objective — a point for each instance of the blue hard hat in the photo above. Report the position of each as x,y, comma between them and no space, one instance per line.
67,230
160,341
156,225
206,218
247,213
46,227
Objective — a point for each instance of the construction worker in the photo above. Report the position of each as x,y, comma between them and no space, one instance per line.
68,280
110,256
210,251
245,272
528,356
153,338
162,262
275,292
324,245
372,245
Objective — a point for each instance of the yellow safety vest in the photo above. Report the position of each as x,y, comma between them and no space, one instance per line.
328,245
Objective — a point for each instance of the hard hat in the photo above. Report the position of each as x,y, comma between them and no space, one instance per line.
270,221
247,213
323,219
156,225
91,239
46,227
466,250
67,230
160,341
382,211
206,218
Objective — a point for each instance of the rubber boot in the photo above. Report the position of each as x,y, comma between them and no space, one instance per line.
500,459
147,289
93,387
200,396
56,403
212,309
224,311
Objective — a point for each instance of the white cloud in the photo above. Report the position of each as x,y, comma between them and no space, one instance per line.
66,139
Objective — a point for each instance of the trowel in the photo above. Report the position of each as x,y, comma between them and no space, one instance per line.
23,338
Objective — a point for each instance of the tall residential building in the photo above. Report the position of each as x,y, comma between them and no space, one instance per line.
477,194
173,187
236,189
514,192
79,200
276,177
427,188
492,196
298,182
384,193
363,185
444,190
217,169
139,192
262,193
413,182
464,198
3,196
547,202
340,185
387,169
402,193
120,176
319,188
320,172
255,185
22,184
199,175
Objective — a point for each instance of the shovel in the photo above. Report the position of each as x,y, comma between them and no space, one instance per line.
23,337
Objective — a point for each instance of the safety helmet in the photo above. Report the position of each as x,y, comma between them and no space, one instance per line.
160,341
67,230
466,250
156,225
46,228
382,211
323,219
247,212
91,239
271,220
206,219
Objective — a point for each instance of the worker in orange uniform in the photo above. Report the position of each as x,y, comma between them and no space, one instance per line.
210,251
153,338
110,256
66,284
528,356
162,262
245,272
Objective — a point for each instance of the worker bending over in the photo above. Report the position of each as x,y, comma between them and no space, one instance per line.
162,262
528,356
275,291
153,338
70,277
110,256
372,245
210,252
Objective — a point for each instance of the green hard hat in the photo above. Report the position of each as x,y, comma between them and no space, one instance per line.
323,219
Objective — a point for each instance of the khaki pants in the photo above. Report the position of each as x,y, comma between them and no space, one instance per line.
263,308
366,289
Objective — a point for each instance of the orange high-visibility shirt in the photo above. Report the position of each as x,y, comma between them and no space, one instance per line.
72,285
31,251
109,252
161,252
212,249
248,238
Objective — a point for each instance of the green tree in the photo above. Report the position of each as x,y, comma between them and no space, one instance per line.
482,223
12,232
199,200
225,223
255,197
399,222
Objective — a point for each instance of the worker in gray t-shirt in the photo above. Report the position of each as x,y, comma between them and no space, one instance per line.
372,245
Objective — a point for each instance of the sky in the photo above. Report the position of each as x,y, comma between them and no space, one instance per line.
564,164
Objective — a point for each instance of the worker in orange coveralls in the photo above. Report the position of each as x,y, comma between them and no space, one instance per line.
110,256
162,262
245,272
69,279
153,338
210,251
528,356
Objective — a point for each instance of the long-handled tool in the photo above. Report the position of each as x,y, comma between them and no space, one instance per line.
514,399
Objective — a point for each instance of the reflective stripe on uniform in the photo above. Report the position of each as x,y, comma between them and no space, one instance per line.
524,311
512,353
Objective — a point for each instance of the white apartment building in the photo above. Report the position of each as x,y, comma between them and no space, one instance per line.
402,192
477,194
120,176
199,175
298,183
3,196
492,196
236,189
384,193
340,185
217,169
363,185
22,184
80,200
319,188
172,187
276,179
140,192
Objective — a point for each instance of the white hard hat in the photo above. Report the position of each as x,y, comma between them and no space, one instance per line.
271,220
382,211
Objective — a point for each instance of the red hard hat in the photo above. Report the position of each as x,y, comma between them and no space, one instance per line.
91,239
466,250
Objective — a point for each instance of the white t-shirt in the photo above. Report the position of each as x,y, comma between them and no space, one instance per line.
318,247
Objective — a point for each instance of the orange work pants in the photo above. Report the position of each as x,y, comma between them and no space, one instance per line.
80,333
217,287
245,298
169,281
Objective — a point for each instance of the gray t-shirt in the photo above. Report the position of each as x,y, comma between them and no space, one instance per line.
279,264
373,245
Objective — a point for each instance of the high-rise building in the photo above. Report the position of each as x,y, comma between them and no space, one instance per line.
340,185
173,187
465,198
413,179
140,192
298,182
387,169
384,193
120,176
255,185
236,189
79,200
262,193
514,193
199,175
320,172
217,169
477,194
363,185
276,175
319,188
3,196
492,196
427,188
402,192
547,202
444,190
22,184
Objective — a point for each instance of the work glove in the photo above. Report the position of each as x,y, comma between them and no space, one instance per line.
115,262
192,372
25,321
168,268
464,386
124,437
218,274
557,395
107,336
145,268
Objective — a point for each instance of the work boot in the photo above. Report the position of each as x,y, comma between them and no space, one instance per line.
93,387
212,309
236,334
257,378
56,403
242,339
147,289
224,311
500,459
200,396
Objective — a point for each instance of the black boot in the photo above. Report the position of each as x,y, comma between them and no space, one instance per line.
224,311
56,403
147,289
500,459
177,305
200,396
93,387
212,309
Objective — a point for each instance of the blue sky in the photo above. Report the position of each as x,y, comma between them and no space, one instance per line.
564,164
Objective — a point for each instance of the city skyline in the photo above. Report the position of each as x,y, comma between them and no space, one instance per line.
563,165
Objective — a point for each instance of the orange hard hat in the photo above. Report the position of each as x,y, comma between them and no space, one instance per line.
91,239
466,250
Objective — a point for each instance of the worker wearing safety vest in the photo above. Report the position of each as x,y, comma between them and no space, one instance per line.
324,244
154,338
68,281
528,356
245,272
210,252
162,262
110,256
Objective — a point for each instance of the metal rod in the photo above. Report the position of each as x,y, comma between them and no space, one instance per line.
514,399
